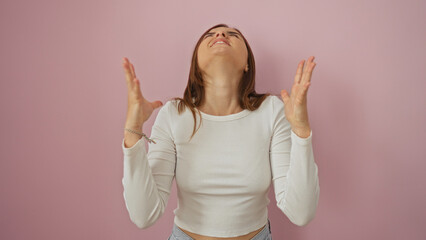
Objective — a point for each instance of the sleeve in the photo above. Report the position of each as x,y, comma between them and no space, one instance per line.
294,171
147,178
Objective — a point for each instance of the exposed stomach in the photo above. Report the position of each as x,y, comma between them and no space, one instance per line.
248,236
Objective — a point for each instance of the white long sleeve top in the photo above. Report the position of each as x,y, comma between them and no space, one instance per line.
224,173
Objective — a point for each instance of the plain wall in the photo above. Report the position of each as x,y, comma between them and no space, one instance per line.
64,101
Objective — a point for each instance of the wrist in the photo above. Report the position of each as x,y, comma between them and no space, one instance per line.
129,133
135,127
302,133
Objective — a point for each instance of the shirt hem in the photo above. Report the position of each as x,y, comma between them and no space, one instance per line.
222,234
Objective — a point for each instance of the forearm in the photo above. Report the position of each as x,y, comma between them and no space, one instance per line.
143,200
302,190
303,132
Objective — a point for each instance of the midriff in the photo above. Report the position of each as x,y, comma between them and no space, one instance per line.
248,236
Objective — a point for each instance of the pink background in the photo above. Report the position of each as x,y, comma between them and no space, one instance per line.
64,99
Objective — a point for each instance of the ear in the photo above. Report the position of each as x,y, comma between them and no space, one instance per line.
246,68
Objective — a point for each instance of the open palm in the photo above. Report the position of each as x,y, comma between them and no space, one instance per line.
295,104
139,109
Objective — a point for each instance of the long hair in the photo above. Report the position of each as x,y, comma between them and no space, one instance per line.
194,91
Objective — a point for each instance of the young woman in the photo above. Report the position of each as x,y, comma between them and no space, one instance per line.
224,167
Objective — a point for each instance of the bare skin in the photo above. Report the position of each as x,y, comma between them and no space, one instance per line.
222,66
248,236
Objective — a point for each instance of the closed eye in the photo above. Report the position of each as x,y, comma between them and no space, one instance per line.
235,34
208,35
230,33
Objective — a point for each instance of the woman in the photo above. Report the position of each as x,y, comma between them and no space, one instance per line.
223,168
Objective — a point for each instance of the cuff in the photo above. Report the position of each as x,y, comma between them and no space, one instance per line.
299,140
134,149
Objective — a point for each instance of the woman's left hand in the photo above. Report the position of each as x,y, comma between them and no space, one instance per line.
295,105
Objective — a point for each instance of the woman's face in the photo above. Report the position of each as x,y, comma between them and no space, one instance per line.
235,53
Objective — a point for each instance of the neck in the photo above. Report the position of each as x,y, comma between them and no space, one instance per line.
221,80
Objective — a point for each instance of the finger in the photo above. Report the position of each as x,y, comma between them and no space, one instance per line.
285,96
299,72
127,72
137,83
307,73
302,97
156,104
294,91
133,70
310,60
136,87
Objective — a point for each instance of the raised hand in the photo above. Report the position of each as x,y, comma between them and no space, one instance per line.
295,105
138,108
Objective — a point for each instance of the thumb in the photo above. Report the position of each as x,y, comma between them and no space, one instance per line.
284,96
157,104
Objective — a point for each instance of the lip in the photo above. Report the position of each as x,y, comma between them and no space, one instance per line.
220,39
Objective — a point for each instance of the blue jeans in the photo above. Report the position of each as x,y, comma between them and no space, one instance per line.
264,234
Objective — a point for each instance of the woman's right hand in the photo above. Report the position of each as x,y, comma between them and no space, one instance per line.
138,108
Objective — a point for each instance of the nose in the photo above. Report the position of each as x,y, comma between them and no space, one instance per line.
219,33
